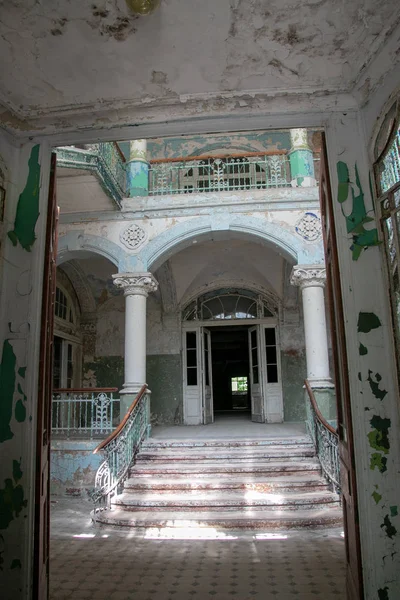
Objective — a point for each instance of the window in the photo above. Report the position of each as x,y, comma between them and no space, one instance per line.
233,304
191,358
271,355
387,171
239,385
63,308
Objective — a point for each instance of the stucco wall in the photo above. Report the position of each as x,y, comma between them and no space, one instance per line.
73,466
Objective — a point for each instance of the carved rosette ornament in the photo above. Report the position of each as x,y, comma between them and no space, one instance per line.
308,276
133,236
138,284
309,227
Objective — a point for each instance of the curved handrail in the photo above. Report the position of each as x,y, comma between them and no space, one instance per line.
318,413
118,429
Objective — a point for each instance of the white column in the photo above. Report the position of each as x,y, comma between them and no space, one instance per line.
311,280
136,288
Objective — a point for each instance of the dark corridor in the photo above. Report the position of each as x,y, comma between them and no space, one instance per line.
230,359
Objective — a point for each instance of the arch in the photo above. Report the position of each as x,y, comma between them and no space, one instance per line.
80,284
74,243
290,245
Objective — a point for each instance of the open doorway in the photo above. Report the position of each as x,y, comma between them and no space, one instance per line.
230,370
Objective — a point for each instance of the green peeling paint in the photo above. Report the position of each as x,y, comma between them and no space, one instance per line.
390,530
12,499
377,497
379,461
367,321
22,371
362,349
355,221
16,564
7,387
383,593
28,206
374,385
394,511
20,411
379,437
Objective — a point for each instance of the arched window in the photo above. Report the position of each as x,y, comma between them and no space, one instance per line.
387,175
228,304
63,307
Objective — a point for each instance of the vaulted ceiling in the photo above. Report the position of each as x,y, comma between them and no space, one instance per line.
62,59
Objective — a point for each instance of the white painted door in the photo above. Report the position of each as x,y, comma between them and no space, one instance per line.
271,369
257,402
192,379
208,405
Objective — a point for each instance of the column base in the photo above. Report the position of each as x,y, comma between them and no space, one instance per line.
127,395
321,382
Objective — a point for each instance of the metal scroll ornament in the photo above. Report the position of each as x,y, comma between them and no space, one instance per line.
143,7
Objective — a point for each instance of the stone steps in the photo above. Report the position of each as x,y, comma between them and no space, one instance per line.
164,484
227,501
252,484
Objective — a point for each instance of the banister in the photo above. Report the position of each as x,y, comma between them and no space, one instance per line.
157,161
83,390
318,413
117,430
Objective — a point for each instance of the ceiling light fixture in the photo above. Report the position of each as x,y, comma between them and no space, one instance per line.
143,7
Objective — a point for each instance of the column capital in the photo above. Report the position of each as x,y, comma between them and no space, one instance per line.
137,284
308,276
299,139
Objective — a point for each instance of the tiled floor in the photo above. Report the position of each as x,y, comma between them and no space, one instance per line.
230,425
88,562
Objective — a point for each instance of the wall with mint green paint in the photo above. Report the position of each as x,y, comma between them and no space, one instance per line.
164,378
294,372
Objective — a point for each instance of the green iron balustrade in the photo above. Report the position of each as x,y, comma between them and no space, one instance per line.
86,413
105,160
219,175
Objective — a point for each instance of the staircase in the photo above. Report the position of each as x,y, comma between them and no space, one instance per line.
252,484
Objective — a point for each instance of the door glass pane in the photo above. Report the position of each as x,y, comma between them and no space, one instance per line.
191,358
206,359
255,375
272,374
270,337
70,367
254,357
254,339
271,355
192,376
57,362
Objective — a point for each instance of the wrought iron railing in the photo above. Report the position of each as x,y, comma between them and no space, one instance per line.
219,174
84,412
325,439
105,160
121,447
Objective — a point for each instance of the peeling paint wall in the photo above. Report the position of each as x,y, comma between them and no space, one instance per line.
20,296
73,466
373,385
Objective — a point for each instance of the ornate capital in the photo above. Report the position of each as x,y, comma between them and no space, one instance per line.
308,276
138,284
299,140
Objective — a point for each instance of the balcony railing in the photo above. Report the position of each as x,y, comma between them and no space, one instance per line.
219,174
88,413
105,160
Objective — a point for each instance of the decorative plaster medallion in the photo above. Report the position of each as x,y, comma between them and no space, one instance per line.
133,237
308,276
309,227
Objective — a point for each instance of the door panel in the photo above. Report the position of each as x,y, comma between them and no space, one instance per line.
42,492
192,382
257,402
272,380
354,583
208,405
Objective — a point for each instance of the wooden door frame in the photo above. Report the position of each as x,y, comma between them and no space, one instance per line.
340,360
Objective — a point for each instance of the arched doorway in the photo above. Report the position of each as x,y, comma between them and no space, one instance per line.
231,357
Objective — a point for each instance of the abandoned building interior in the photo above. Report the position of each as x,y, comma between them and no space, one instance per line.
199,300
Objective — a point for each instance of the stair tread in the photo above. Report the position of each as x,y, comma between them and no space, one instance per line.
253,519
229,497
260,479
226,441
